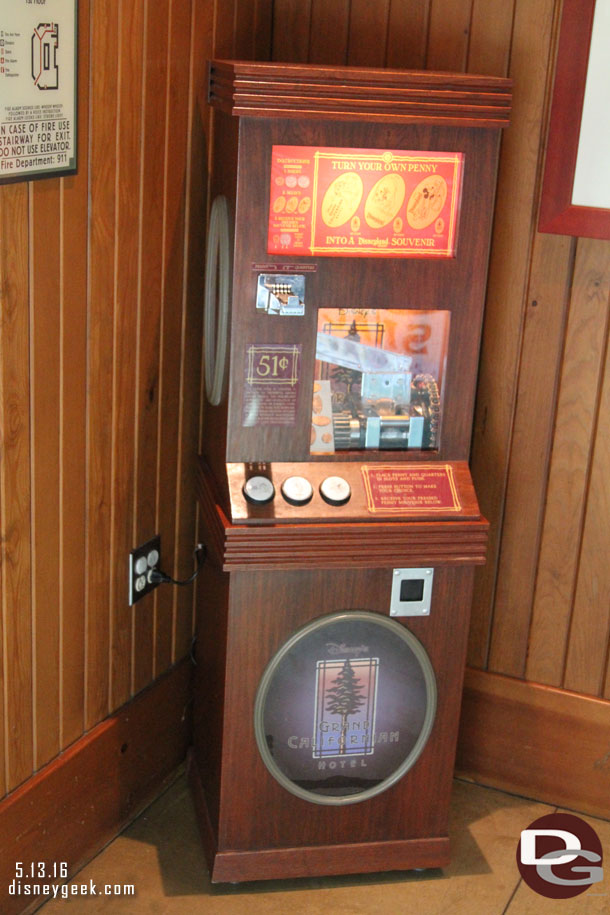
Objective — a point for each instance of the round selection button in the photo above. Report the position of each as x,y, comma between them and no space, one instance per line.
259,490
297,490
335,490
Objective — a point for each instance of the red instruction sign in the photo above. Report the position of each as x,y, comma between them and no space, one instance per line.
364,202
419,488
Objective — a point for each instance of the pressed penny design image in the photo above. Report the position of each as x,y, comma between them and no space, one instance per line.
426,201
342,199
384,201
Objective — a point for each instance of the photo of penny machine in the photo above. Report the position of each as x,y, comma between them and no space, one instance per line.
350,218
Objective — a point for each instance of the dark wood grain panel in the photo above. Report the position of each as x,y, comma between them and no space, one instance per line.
368,33
104,87
408,34
15,490
329,32
291,27
45,323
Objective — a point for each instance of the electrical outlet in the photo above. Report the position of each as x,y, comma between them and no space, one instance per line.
141,561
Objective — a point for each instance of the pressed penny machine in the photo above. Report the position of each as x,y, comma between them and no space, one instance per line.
346,269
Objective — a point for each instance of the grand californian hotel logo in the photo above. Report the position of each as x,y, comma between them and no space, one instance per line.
345,707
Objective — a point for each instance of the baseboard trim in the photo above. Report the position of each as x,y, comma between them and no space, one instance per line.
536,741
80,801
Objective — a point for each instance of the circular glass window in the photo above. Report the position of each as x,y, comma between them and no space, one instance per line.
345,707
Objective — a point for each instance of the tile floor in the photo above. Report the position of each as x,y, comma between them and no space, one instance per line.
161,854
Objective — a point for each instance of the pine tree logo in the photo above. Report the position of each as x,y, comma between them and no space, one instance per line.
346,697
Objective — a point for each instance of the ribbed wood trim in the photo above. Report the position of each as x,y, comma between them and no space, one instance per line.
246,88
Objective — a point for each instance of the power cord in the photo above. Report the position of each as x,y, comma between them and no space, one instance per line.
159,577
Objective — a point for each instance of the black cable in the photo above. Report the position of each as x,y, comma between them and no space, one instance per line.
159,577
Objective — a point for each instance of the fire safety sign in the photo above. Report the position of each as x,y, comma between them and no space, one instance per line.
38,89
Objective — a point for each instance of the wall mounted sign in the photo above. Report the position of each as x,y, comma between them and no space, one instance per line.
38,88
421,488
363,202
345,707
576,187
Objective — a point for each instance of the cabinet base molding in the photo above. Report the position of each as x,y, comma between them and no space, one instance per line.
81,800
537,741
235,866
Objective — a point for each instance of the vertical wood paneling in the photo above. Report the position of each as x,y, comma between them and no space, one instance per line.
490,36
263,23
368,33
506,293
328,33
291,27
587,659
191,334
541,352
102,163
132,31
448,35
15,485
178,107
408,34
153,202
45,424
73,398
582,366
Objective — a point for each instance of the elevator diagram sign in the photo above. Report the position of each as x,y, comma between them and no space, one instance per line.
38,86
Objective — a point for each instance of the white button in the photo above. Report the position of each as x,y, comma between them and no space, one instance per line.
259,490
335,490
297,490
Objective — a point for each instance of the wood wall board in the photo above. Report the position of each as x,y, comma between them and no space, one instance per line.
490,36
408,34
290,34
73,559
263,23
328,36
541,352
507,293
577,402
74,806
148,381
174,242
244,29
521,737
221,15
368,33
128,241
448,35
45,362
15,491
102,157
587,656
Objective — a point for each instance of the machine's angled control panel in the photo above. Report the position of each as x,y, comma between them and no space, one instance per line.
343,490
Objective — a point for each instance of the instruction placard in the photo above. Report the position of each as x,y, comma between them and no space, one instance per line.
38,88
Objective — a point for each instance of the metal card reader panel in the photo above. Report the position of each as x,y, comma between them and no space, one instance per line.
411,592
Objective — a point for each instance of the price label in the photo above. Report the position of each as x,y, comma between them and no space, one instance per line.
271,384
